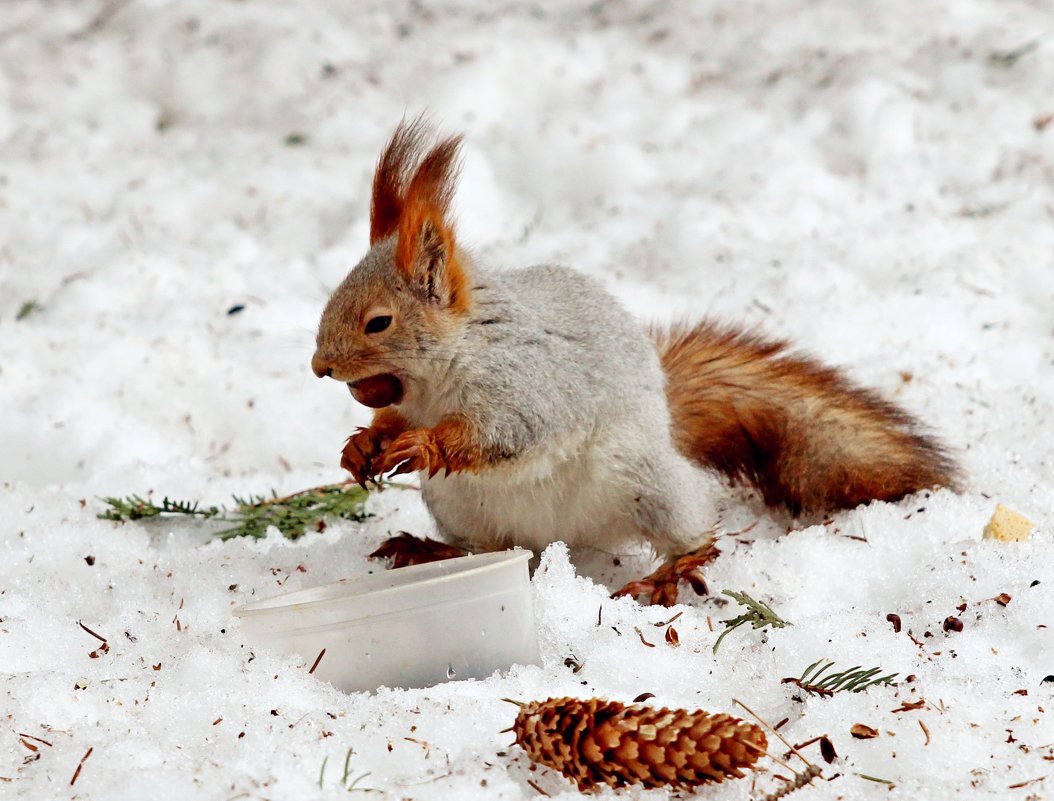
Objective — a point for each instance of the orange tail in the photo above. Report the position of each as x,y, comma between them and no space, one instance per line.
801,433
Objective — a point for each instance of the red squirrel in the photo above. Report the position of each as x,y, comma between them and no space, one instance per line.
534,408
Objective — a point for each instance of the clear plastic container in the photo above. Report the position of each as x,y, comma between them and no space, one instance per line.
412,627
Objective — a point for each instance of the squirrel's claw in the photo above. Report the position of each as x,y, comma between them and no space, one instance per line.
358,454
412,451
662,585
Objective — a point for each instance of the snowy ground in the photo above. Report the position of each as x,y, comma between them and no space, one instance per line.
875,181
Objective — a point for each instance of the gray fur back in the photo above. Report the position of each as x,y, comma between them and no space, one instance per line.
550,350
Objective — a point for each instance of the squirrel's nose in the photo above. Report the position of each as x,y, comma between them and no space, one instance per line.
321,366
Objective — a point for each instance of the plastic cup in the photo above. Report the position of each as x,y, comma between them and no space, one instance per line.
412,627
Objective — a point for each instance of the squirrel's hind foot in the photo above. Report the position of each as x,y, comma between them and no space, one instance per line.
405,549
663,584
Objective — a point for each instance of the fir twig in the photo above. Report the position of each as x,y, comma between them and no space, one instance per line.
292,514
135,507
758,614
854,679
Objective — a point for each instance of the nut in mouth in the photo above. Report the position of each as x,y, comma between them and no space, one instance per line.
377,391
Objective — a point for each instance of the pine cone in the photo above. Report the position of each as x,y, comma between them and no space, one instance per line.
596,742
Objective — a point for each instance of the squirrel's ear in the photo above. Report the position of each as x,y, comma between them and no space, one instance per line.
393,174
426,252
427,256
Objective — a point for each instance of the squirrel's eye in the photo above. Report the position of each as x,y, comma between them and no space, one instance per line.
377,324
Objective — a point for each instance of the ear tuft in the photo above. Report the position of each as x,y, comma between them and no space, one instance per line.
394,169
412,192
407,174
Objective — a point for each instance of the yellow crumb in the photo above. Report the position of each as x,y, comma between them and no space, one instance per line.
1007,525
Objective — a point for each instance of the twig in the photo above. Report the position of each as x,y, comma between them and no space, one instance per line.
768,726
763,752
80,765
31,737
318,659
92,633
800,779
309,491
539,789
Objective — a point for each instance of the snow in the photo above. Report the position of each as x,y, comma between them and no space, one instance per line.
873,181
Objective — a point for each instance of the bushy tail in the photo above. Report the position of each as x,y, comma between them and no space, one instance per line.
800,432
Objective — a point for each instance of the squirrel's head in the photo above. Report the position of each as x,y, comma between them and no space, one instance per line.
399,310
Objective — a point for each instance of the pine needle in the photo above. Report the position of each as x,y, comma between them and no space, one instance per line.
875,779
28,308
758,614
854,679
293,515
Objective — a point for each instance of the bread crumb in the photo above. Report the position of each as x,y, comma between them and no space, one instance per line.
1007,525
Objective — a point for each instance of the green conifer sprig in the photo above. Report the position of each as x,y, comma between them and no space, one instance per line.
852,680
758,614
293,515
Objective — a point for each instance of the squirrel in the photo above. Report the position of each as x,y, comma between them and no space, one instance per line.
535,408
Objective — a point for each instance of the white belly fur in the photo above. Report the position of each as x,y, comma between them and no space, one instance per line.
570,491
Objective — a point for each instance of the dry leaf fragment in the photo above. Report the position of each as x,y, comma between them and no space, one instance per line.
910,706
1002,599
862,732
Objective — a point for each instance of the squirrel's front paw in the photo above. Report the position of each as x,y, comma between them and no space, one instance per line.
412,451
360,450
